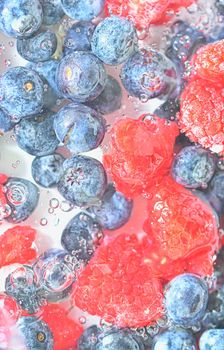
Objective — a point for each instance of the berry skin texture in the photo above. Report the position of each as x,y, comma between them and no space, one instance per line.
202,113
212,339
141,153
207,62
118,284
6,123
186,298
52,11
64,329
121,39
216,193
78,37
193,167
183,230
82,10
174,339
20,18
35,333
15,245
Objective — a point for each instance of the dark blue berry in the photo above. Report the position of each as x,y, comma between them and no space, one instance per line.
83,181
79,128
78,37
39,47
168,109
22,197
47,170
20,18
36,136
89,338
82,10
148,74
174,339
122,339
110,99
114,40
21,92
212,339
193,167
186,298
52,11
215,193
22,286
214,315
81,76
81,237
6,122
35,333
54,274
113,211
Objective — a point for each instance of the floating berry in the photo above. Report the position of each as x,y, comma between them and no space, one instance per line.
183,230
201,115
141,153
118,283
64,329
15,245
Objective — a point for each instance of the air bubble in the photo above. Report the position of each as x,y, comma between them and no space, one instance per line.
43,222
54,203
17,194
50,210
82,319
8,62
66,206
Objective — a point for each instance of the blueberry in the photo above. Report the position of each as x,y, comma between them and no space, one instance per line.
185,41
148,74
35,333
175,339
168,109
81,76
113,211
186,298
20,18
47,170
214,316
89,338
22,197
83,181
82,10
114,40
193,167
78,37
36,136
21,285
110,99
21,92
6,122
216,193
79,128
122,339
54,275
212,339
220,7
52,11
81,237
39,47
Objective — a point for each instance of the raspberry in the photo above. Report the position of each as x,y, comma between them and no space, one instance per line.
64,329
141,153
207,62
118,284
9,310
201,115
183,229
15,245
145,12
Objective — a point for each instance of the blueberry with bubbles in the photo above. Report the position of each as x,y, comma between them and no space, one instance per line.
82,10
78,37
81,237
114,40
174,339
83,182
40,47
79,128
52,11
21,92
81,76
148,74
36,135
89,338
212,339
47,170
20,18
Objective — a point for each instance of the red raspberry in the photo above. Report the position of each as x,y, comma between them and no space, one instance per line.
145,12
207,63
15,245
141,153
183,229
118,284
65,330
201,115
9,310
